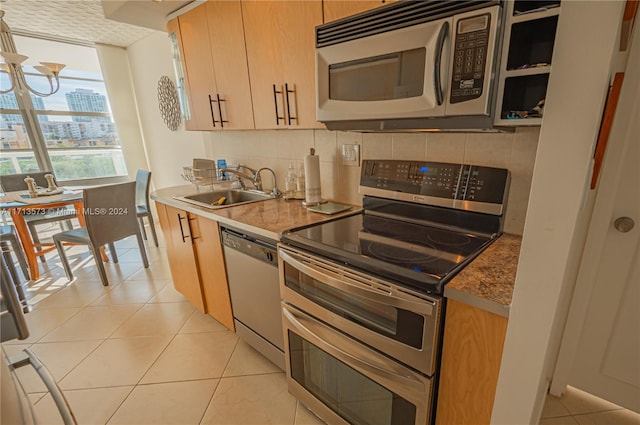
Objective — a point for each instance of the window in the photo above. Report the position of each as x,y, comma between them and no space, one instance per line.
71,131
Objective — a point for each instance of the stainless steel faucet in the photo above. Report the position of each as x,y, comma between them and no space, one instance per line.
254,178
242,177
255,175
275,192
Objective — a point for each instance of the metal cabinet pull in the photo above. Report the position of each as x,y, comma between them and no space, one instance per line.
219,102
189,220
287,91
275,101
213,117
180,218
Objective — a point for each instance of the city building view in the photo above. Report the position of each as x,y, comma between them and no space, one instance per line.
71,131
58,132
80,135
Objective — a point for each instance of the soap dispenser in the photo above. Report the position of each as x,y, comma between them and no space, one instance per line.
290,184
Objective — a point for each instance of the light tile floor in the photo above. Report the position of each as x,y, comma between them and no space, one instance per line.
577,407
136,352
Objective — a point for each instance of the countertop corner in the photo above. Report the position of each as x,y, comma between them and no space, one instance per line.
488,281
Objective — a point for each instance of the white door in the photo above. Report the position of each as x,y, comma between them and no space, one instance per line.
604,356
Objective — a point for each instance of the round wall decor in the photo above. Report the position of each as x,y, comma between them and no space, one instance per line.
169,103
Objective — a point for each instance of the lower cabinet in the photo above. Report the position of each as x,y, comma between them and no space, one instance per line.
471,356
196,261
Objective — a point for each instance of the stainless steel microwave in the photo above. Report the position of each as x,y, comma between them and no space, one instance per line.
410,65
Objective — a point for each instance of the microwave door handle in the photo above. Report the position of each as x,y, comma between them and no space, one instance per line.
422,308
437,62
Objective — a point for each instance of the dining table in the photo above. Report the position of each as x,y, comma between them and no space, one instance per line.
20,205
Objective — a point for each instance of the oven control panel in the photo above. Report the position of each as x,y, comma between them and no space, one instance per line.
430,182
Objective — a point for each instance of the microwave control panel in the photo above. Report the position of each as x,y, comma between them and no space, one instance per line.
470,58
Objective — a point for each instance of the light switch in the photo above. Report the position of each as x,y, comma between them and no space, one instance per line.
351,155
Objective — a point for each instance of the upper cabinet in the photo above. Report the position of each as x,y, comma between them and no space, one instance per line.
214,56
173,28
249,64
336,9
529,37
280,41
198,67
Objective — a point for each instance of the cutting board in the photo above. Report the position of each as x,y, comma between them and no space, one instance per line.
329,208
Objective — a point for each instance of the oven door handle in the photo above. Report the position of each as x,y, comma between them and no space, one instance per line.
426,307
394,376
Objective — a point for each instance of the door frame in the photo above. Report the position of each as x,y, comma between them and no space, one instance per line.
620,138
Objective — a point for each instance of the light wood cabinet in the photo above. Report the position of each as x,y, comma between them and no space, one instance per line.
280,42
213,273
173,28
198,66
214,56
182,259
471,356
337,9
196,260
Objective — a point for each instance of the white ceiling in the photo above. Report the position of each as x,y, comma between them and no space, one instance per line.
84,20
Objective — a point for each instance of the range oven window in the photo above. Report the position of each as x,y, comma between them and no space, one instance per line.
396,75
353,396
401,325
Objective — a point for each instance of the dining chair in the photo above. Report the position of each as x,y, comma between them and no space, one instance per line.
9,236
10,243
110,215
15,182
12,308
143,181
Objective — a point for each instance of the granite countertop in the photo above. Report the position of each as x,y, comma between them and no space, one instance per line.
268,218
487,282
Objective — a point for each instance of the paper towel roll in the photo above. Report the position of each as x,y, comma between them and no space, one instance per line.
312,179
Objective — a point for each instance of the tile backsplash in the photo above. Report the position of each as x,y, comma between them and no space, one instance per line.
276,148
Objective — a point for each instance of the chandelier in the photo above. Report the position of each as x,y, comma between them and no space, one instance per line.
12,65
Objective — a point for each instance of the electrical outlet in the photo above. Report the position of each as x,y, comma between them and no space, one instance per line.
351,155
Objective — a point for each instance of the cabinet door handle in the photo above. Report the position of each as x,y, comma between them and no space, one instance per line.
437,62
287,91
180,218
219,102
275,101
213,117
189,220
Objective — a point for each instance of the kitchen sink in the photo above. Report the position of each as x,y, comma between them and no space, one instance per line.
224,198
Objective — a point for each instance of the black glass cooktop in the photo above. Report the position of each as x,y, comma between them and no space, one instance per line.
418,255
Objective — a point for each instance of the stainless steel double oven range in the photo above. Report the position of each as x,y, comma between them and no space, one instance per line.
362,304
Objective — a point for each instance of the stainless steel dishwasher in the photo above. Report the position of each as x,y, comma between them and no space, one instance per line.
252,270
